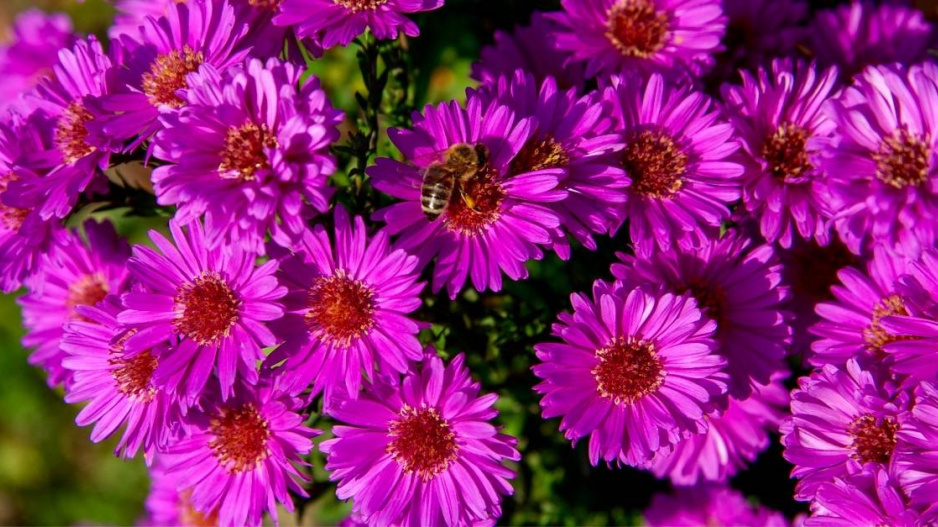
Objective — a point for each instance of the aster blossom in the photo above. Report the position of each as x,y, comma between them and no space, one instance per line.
739,286
260,162
423,452
347,310
708,505
73,273
31,52
495,222
635,371
212,305
241,457
337,22
777,114
166,504
915,451
866,498
676,37
910,330
678,155
882,173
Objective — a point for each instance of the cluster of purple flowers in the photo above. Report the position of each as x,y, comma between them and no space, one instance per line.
780,205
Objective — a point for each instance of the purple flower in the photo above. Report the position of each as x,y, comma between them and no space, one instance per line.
678,156
212,304
916,458
778,116
867,498
156,60
732,441
166,505
528,48
496,221
347,310
851,325
572,134
73,273
260,161
882,173
337,22
119,388
665,36
736,285
844,421
239,458
866,33
31,52
708,505
636,371
422,453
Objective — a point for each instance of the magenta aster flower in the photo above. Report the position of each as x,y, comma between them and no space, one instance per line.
347,310
665,36
573,135
337,22
863,33
867,498
910,331
678,156
528,48
240,458
156,60
732,441
213,304
708,505
636,371
260,161
31,52
915,459
496,221
119,389
73,273
843,421
423,452
851,325
778,116
736,285
882,173
166,505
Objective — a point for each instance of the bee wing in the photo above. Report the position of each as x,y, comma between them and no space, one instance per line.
425,159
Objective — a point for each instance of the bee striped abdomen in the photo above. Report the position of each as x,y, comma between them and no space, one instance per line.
436,191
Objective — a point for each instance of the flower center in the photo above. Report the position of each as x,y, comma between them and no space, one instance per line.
11,218
813,269
86,291
244,154
206,309
361,5
167,75
873,440
710,299
475,204
903,160
133,375
71,134
240,441
189,517
656,164
628,370
340,307
422,442
637,29
538,154
786,154
875,336
269,5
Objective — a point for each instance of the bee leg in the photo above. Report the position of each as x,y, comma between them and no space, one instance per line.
467,199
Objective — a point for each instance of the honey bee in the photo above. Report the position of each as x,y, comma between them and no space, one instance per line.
442,178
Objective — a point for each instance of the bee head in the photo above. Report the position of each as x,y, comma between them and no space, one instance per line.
463,154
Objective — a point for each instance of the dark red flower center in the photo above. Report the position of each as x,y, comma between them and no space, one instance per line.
269,5
86,291
539,153
240,441
875,336
476,203
361,5
903,160
206,309
637,29
711,299
244,154
785,152
340,307
189,517
71,133
167,75
133,375
655,163
628,370
873,439
422,442
813,269
11,218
